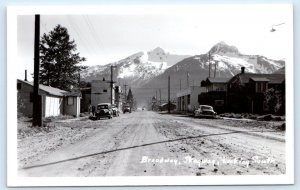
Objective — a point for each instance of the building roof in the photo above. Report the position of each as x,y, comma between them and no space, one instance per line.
74,93
218,80
273,78
256,79
50,90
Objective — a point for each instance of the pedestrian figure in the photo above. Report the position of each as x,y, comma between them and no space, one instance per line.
93,110
90,109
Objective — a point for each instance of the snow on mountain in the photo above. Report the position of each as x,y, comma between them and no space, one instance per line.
225,61
222,48
136,69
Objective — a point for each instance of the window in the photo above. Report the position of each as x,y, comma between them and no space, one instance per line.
261,87
105,90
70,100
188,99
19,86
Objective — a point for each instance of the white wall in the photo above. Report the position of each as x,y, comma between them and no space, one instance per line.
98,95
53,106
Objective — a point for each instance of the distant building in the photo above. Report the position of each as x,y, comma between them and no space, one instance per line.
243,93
101,92
187,100
54,101
216,93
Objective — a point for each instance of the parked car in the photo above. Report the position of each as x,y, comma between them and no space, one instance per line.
104,110
115,111
205,111
126,109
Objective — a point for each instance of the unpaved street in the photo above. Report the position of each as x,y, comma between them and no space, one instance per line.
146,143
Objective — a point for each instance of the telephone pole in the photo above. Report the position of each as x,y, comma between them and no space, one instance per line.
37,100
188,79
159,96
111,84
209,65
180,84
215,70
125,95
169,103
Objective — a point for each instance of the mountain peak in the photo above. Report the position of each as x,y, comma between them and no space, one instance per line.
158,49
223,48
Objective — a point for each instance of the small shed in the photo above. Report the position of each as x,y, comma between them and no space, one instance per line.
54,101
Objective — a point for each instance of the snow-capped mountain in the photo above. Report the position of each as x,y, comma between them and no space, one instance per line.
225,61
136,69
145,72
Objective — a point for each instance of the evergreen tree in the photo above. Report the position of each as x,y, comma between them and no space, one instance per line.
59,60
129,96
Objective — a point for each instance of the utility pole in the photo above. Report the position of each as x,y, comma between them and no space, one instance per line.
37,100
215,70
159,96
209,65
79,80
180,84
125,95
169,103
26,75
187,80
111,83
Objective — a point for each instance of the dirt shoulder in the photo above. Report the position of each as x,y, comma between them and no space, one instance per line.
36,143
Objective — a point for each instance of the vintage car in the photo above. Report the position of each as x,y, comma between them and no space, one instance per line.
115,110
205,111
126,109
104,110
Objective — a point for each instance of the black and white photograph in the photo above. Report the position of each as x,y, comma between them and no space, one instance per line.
150,95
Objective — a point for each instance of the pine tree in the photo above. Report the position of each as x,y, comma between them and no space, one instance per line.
59,60
130,98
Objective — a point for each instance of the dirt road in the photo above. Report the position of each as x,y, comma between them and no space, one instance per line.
146,143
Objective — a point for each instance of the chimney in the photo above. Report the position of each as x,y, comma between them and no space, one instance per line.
25,74
242,70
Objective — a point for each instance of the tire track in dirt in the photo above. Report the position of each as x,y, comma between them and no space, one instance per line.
97,142
230,146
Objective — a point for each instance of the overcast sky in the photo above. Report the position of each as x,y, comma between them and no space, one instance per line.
105,38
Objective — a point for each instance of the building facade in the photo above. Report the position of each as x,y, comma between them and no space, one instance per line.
187,100
246,91
101,92
54,101
216,93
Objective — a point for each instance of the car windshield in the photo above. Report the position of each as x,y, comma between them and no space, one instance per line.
206,107
102,106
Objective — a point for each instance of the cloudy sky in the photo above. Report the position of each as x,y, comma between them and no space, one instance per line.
108,37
